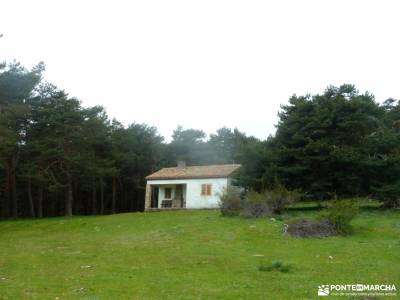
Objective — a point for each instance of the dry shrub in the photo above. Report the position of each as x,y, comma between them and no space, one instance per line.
279,198
230,202
269,202
255,206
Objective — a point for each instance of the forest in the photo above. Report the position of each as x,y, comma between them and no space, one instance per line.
58,157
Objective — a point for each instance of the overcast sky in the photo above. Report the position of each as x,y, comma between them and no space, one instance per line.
205,64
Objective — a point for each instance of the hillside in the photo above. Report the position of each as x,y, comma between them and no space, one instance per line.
187,255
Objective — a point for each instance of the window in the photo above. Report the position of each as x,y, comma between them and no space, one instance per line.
206,189
167,193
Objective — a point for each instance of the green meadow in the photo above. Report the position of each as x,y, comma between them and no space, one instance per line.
189,255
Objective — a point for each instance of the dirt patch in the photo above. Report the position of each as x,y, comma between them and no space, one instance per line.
309,228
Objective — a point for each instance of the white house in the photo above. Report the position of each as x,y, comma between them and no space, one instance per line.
188,187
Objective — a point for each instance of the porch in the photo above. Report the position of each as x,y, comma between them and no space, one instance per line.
165,196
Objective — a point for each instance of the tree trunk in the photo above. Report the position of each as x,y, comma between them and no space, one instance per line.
11,186
30,199
7,193
114,191
68,200
94,198
40,203
101,197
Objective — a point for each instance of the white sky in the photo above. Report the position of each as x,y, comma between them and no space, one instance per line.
205,64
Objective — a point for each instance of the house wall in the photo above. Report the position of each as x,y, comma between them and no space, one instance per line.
192,191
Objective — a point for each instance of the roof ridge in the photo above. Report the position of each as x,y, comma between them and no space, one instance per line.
216,165
204,171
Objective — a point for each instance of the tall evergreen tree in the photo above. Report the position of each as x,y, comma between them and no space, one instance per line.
16,87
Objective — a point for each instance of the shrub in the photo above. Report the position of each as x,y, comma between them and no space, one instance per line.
285,268
275,266
340,213
230,202
267,203
279,198
255,206
389,194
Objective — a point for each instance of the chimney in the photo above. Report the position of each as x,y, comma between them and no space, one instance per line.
181,164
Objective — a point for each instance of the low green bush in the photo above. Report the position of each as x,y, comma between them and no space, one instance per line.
285,268
340,213
275,266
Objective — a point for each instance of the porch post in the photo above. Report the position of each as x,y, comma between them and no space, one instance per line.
147,198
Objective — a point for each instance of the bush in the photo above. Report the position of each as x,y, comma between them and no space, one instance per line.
267,203
279,197
389,194
255,206
275,266
230,201
340,213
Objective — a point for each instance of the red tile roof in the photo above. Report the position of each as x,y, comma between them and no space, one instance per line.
213,171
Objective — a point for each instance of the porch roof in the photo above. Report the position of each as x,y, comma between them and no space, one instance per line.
211,171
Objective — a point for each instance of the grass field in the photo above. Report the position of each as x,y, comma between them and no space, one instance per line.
188,255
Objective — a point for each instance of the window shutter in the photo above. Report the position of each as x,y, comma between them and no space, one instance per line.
209,189
203,189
